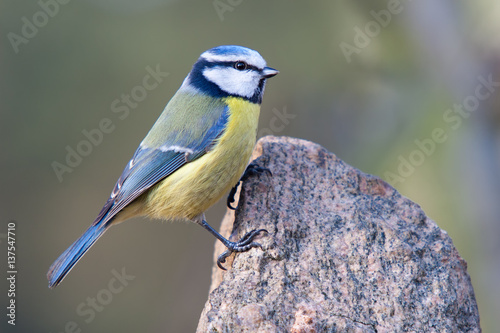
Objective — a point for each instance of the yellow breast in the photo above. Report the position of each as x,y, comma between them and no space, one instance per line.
196,186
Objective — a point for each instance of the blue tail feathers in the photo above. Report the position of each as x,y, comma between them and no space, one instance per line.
70,257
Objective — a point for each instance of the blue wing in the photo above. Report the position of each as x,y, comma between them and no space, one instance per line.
149,165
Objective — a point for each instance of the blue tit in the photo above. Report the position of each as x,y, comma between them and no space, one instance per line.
195,152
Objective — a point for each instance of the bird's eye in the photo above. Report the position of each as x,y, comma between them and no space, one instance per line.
240,65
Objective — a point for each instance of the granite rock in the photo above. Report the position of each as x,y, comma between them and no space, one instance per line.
345,252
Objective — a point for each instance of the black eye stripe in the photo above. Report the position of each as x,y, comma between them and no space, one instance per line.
252,67
231,64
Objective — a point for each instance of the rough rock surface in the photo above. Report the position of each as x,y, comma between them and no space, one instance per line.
345,253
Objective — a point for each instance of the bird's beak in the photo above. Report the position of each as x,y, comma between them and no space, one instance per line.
268,72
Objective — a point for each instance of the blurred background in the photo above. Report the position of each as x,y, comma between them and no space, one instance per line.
406,90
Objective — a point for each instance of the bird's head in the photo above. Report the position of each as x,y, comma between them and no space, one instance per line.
230,70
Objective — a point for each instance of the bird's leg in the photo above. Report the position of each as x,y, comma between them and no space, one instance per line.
243,245
251,170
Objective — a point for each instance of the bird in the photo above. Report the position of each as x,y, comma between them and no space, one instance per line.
196,151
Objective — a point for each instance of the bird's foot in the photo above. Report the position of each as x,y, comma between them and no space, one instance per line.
243,245
253,169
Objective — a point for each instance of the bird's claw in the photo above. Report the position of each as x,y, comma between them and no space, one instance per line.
244,244
253,169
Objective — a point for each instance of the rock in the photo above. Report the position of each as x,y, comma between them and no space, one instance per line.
345,253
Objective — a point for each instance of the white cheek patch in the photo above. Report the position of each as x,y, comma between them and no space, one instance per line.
234,82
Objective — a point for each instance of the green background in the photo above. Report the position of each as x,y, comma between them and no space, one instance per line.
368,108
